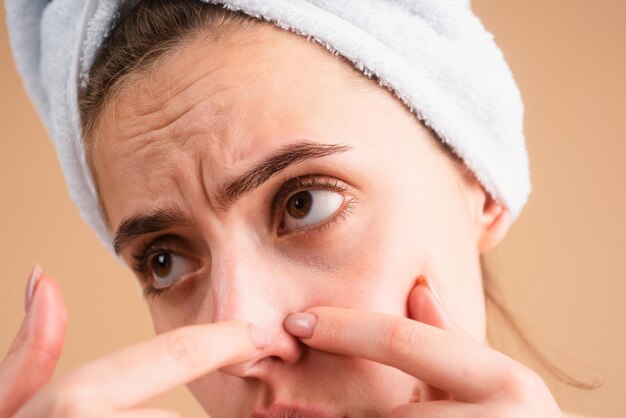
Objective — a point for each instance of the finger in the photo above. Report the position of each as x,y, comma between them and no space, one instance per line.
465,369
438,409
35,351
425,305
143,371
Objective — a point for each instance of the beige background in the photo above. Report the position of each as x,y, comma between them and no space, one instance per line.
562,268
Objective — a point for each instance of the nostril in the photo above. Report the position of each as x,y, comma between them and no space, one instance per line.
283,351
273,359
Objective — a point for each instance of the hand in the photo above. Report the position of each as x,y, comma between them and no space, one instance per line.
113,385
476,381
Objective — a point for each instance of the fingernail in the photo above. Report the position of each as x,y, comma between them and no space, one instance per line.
31,285
426,282
300,324
261,336
432,310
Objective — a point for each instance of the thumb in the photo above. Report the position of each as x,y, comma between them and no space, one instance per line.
37,346
426,306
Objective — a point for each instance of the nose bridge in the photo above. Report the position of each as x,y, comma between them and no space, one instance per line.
242,289
246,287
246,284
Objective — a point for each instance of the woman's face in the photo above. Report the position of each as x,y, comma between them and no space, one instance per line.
261,176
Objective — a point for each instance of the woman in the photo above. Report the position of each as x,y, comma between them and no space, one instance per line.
288,219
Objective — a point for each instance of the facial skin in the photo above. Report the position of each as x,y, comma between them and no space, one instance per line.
176,135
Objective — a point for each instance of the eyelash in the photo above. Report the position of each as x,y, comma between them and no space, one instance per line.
311,182
141,257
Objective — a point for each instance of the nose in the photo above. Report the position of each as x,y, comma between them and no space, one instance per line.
249,286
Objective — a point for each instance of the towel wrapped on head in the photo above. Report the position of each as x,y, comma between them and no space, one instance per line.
434,55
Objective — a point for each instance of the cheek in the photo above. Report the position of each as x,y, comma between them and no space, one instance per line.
179,308
368,262
166,318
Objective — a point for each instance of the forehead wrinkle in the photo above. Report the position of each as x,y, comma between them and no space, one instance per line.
161,159
165,88
200,174
182,140
171,111
184,61
196,121
154,97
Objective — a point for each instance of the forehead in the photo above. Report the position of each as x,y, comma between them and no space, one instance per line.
229,75
217,107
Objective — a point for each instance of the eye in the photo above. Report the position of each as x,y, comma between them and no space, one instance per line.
310,207
167,268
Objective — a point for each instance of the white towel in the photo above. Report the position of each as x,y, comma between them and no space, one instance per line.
435,55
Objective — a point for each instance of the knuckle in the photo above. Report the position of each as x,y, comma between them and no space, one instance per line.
404,338
182,349
523,393
518,381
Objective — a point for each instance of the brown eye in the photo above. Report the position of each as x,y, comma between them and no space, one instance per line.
299,205
167,268
310,207
162,264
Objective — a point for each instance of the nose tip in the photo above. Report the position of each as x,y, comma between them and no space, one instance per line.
282,347
283,350
248,285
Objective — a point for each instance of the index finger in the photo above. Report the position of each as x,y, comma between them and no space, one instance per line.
142,371
463,368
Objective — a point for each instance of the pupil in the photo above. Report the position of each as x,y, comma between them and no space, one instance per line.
161,264
300,204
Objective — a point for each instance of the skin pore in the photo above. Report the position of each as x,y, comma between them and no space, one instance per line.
389,205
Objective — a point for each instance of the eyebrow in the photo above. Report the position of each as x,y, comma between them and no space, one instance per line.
157,220
287,155
172,216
